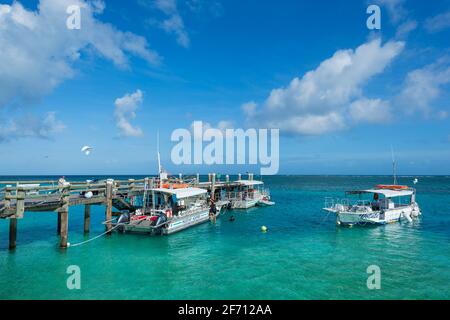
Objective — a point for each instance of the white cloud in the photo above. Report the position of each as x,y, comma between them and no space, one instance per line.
395,8
31,127
319,101
370,110
38,52
405,28
125,111
249,108
173,23
438,23
425,85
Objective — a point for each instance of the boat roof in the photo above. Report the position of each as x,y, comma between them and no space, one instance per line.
181,192
385,192
250,182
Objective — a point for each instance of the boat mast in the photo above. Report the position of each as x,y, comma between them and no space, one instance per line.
393,166
159,159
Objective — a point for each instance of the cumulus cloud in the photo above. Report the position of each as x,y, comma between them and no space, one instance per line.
38,51
125,111
31,127
438,23
424,86
319,101
370,110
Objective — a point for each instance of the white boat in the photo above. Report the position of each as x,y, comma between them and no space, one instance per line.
385,204
265,203
171,210
247,194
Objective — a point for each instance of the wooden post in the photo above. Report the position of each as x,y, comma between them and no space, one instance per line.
63,216
109,194
20,204
213,186
87,217
7,195
58,224
12,233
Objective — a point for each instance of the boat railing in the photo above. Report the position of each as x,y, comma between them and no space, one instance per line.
331,203
241,195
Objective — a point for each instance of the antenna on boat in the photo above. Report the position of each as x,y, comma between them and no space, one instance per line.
161,173
393,166
159,156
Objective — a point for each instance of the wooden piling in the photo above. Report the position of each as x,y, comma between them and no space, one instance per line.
20,204
87,217
12,233
109,194
213,186
58,224
63,216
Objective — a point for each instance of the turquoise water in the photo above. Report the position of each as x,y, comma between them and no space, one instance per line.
304,255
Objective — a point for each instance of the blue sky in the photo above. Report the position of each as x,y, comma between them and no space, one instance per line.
203,60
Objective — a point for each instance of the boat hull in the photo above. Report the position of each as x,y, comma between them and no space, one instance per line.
377,218
173,226
245,204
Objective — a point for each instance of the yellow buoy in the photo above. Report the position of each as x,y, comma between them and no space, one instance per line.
264,229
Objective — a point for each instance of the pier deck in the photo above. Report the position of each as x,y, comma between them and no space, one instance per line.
18,197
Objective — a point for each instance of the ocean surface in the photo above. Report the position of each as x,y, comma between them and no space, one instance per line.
304,255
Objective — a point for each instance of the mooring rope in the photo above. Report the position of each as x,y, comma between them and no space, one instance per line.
96,237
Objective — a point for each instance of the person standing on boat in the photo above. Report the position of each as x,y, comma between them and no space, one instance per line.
212,211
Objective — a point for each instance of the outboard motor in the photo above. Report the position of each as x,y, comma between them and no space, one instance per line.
162,218
124,218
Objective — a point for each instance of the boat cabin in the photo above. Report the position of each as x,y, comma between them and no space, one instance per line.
384,199
177,200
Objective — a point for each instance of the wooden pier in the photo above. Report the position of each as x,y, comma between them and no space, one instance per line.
19,197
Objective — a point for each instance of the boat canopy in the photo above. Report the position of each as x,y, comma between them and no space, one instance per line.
385,192
181,193
250,182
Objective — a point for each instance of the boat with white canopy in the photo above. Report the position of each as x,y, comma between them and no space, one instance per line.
248,194
380,205
167,211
